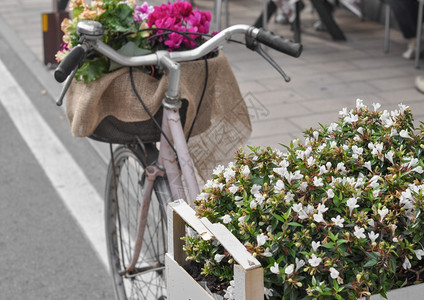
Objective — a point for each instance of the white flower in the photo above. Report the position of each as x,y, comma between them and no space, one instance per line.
230,291
233,189
229,174
402,107
360,130
371,222
299,263
351,118
373,236
262,238
321,208
330,193
218,170
395,240
255,189
275,269
419,253
343,112
289,269
241,219
303,215
418,169
334,273
297,207
226,219
202,196
267,292
303,186
279,186
245,171
338,221
356,151
359,232
376,106
367,165
267,253
280,171
259,198
318,182
406,264
359,103
404,133
219,257
253,204
393,132
289,197
341,167
383,212
318,218
311,161
314,261
351,203
316,245
389,156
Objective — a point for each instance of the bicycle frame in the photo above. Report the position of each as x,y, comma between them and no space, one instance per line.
169,164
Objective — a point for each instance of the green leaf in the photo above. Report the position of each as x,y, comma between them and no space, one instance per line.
328,245
371,263
279,218
91,70
295,224
340,242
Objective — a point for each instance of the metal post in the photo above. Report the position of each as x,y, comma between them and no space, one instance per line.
387,29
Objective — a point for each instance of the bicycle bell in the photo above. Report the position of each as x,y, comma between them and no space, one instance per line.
90,29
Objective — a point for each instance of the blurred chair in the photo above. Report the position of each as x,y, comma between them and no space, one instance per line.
217,10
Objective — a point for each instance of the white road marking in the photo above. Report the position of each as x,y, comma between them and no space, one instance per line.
78,195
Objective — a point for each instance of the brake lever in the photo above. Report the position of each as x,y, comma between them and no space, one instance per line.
65,88
253,45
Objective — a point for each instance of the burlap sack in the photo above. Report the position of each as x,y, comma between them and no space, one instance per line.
221,127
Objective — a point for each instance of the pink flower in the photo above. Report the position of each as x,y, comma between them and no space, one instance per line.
141,12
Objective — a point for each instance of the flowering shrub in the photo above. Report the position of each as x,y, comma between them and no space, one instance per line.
339,216
172,26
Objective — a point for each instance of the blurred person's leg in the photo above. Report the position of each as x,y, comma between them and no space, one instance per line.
406,14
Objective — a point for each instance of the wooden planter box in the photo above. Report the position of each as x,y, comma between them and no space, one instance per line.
248,272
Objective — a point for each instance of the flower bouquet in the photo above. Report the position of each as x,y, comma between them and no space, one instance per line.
336,217
134,29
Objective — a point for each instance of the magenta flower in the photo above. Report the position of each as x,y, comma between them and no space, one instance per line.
181,17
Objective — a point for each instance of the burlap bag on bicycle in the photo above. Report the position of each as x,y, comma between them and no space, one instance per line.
108,110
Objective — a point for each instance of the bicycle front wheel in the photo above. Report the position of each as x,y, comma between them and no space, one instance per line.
124,197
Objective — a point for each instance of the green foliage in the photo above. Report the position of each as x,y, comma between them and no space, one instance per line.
337,217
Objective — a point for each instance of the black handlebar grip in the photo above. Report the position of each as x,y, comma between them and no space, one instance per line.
279,43
71,61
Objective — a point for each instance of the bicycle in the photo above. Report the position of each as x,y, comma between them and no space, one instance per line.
141,178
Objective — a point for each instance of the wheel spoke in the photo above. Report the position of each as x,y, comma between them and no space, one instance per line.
148,280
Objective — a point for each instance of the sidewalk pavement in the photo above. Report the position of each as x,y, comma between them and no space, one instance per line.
327,77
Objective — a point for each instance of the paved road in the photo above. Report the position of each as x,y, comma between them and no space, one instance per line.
51,187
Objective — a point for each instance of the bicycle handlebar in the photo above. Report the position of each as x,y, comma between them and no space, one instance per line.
70,62
279,43
77,54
